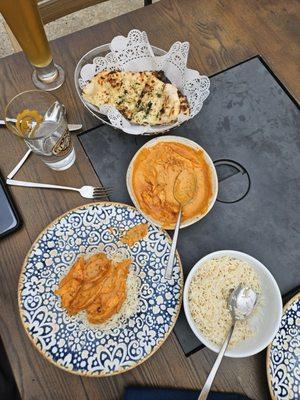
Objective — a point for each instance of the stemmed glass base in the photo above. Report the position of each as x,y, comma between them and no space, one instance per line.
48,78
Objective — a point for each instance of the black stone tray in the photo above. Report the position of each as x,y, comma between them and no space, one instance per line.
250,126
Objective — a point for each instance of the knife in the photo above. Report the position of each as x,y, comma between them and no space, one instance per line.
71,127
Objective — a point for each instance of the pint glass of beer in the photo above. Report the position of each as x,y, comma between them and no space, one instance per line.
23,18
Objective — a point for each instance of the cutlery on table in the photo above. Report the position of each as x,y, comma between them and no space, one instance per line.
183,191
71,127
241,303
19,165
89,192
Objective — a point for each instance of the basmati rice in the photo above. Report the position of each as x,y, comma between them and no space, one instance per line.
208,294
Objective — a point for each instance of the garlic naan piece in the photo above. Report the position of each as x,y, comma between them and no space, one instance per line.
141,97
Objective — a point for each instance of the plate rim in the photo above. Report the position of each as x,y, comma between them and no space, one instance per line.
187,142
98,374
269,376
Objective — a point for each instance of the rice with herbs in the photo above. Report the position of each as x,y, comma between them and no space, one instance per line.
208,293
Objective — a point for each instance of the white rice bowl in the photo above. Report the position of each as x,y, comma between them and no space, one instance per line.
265,322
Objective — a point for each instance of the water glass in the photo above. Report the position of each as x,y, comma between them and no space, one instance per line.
39,119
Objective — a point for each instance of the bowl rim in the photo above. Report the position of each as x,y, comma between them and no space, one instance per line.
187,142
252,260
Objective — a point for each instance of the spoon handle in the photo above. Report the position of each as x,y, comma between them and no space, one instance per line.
169,269
207,386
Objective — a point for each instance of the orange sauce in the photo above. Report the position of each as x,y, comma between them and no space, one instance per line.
154,172
134,234
96,285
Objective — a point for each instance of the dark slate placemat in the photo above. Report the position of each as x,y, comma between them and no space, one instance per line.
147,393
252,126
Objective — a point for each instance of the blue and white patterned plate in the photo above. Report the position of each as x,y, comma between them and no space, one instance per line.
283,355
69,342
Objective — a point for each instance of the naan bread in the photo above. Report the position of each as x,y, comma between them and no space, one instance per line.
141,97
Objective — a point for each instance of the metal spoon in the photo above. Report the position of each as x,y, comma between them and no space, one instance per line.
71,127
241,303
183,191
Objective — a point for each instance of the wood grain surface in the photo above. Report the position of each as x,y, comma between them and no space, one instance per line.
51,10
221,33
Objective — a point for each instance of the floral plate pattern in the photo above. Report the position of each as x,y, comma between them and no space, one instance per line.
283,356
69,342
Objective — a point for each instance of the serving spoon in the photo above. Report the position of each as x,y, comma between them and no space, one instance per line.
241,303
183,191
71,127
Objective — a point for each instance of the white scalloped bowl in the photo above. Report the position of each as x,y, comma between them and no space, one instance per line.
189,143
266,319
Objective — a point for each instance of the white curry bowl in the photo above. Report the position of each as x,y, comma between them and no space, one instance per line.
265,319
187,142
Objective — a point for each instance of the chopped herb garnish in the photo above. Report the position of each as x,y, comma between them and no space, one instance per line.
148,108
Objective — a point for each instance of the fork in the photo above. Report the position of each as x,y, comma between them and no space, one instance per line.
89,192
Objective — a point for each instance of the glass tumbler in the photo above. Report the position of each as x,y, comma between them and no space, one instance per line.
39,119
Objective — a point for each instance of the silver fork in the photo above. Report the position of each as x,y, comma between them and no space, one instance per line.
89,192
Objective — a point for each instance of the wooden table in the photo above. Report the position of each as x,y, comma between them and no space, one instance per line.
221,33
